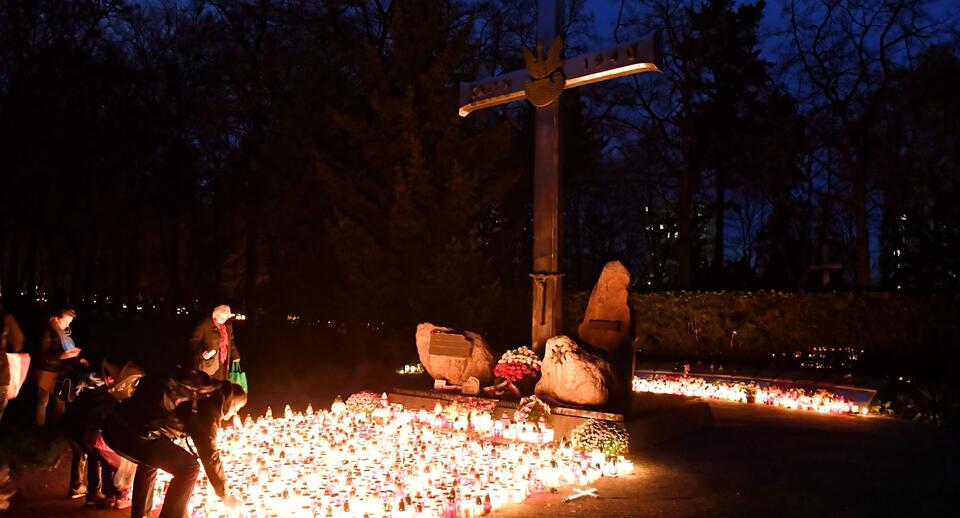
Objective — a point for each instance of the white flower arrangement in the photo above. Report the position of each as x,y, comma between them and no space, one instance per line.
524,355
596,435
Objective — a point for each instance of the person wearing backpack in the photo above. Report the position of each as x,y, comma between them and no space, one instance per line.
143,428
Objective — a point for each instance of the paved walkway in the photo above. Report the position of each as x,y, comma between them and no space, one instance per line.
754,461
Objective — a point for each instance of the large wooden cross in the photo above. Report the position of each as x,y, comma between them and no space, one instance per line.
541,83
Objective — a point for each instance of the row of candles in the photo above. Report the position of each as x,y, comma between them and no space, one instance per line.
820,401
391,462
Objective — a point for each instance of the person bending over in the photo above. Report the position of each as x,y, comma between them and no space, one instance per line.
163,409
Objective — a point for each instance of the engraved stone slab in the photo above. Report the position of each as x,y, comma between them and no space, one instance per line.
606,324
572,375
451,364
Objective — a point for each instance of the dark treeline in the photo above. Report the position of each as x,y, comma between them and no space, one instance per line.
306,156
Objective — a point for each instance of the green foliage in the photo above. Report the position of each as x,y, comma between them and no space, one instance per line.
932,402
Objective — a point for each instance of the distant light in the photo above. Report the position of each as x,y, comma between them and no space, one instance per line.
411,369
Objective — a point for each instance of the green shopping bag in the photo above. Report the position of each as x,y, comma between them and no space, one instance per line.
237,375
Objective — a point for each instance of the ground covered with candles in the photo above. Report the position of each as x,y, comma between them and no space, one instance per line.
372,458
756,460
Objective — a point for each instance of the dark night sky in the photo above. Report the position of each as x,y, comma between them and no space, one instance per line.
605,15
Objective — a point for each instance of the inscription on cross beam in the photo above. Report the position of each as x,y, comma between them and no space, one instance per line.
622,60
545,77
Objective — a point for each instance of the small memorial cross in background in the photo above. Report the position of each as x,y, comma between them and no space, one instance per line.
825,267
541,83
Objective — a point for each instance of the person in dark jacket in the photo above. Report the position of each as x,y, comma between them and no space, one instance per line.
212,348
143,429
59,358
57,354
11,341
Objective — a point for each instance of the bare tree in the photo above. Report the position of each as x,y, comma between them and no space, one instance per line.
841,58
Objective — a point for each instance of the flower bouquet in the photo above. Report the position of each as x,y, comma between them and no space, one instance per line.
517,368
531,409
364,401
596,435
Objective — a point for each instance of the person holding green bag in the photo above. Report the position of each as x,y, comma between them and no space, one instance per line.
212,349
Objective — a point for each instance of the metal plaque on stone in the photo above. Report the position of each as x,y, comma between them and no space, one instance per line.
450,344
605,325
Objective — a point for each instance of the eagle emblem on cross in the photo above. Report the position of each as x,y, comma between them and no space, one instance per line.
546,73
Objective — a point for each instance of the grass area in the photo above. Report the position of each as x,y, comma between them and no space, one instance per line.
21,443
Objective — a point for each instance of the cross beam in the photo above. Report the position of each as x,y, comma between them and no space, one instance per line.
541,83
622,60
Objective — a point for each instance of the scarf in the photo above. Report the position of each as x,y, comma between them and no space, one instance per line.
222,329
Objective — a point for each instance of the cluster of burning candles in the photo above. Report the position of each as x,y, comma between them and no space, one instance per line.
820,401
393,461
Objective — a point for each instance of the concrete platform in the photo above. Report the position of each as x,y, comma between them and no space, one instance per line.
654,418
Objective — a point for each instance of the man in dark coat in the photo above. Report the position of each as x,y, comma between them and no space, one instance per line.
212,348
143,428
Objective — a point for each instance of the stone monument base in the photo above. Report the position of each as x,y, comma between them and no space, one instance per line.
655,418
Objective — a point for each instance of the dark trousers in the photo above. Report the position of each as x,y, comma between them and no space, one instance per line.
78,464
100,475
99,470
150,455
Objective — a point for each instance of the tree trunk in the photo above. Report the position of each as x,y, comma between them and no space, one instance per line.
861,230
251,268
684,227
30,262
718,242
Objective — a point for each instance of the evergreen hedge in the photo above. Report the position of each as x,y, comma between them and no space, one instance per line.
891,330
